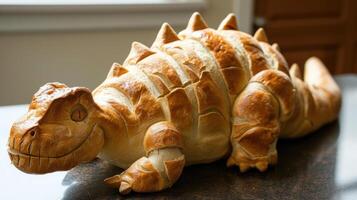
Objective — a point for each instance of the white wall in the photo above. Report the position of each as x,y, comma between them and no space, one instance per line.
81,58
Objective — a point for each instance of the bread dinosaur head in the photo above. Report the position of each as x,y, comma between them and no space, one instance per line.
58,132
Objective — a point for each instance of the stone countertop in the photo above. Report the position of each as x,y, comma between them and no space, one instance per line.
322,165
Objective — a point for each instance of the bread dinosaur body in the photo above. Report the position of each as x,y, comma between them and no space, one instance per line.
192,97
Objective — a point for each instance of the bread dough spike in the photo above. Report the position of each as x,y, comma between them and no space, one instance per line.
276,47
196,23
138,52
165,35
261,36
229,23
116,70
295,71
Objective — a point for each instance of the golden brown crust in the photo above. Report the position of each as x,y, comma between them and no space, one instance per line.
162,135
248,107
51,93
116,70
139,177
255,128
181,111
223,51
160,170
295,71
134,92
185,50
124,117
277,60
320,94
159,83
195,23
299,122
225,54
281,87
166,35
137,53
209,96
261,36
141,108
236,79
155,64
173,168
244,161
256,105
148,110
229,23
214,121
186,58
317,76
255,53
276,47
257,140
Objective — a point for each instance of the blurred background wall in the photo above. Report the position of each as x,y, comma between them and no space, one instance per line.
30,58
304,28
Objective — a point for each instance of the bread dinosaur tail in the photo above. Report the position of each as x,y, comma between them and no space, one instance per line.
318,99
320,80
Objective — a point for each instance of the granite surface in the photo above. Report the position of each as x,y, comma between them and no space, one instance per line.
322,165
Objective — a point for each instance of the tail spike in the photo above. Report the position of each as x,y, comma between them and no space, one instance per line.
276,47
196,23
261,36
165,35
138,52
229,23
295,71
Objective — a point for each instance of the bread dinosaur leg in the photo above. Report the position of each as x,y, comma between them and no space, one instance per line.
255,129
160,168
257,115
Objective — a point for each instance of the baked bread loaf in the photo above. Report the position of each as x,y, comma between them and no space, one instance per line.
193,97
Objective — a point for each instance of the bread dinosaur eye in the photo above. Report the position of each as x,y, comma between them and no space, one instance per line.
79,113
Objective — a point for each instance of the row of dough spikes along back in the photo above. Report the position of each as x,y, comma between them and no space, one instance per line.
167,34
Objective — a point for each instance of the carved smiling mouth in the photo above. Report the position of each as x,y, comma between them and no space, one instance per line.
38,164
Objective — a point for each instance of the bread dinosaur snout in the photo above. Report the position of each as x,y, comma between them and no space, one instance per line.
59,131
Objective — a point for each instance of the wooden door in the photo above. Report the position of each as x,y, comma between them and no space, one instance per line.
303,28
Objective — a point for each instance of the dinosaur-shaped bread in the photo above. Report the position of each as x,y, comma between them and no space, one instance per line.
193,97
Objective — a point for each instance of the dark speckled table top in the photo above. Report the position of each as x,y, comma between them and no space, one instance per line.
322,165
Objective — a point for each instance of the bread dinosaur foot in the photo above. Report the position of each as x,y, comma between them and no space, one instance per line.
141,176
117,182
246,162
